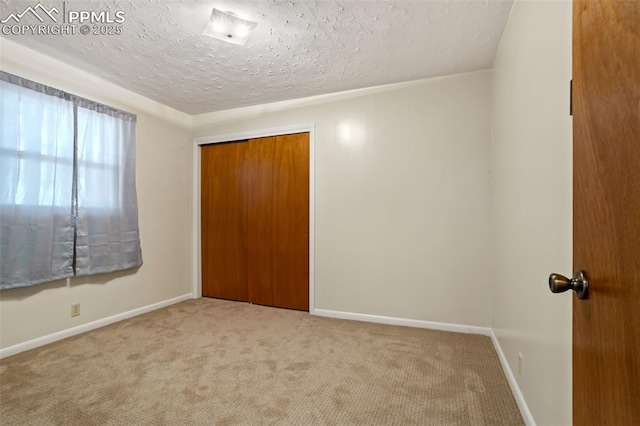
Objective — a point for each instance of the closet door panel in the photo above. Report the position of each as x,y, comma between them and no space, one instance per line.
223,221
259,207
277,204
290,222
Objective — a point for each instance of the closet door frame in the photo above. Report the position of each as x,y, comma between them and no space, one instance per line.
196,248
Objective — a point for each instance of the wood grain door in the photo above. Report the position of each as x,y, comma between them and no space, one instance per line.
606,126
224,221
277,204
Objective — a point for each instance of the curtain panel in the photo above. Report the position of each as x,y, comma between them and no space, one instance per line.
68,203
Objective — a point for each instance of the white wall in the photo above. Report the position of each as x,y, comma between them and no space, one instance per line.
163,182
402,197
532,202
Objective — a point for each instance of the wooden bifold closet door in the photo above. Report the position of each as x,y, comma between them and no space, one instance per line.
255,221
224,221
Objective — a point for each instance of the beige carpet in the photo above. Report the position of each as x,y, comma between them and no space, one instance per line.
206,362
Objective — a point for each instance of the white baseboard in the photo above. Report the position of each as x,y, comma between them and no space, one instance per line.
432,325
443,326
54,337
513,384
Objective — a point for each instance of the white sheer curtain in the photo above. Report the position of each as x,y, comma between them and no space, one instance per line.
36,175
68,203
107,225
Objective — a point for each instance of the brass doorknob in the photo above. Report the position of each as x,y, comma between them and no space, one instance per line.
579,283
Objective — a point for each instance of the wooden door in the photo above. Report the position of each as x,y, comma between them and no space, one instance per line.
224,221
606,126
277,206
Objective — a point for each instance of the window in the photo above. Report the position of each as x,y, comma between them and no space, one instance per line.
68,202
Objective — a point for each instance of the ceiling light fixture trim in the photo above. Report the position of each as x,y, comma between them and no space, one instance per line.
228,27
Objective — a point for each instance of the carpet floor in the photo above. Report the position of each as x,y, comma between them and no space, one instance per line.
213,362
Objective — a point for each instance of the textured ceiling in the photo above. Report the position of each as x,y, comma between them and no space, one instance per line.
299,49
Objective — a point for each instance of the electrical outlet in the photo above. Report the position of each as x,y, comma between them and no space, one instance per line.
75,309
520,360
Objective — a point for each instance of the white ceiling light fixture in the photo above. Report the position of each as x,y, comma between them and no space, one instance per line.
226,26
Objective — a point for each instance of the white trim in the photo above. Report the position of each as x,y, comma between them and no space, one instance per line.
244,113
443,326
249,134
513,384
54,337
431,325
196,255
28,63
